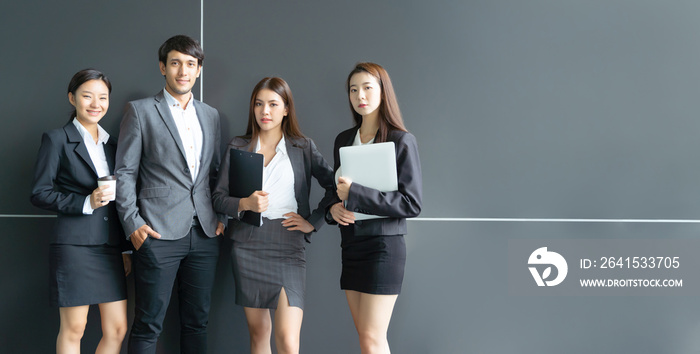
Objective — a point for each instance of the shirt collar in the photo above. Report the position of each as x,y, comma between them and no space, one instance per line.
102,135
281,146
172,102
358,140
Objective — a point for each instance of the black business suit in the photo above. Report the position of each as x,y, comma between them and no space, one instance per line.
64,176
259,270
374,251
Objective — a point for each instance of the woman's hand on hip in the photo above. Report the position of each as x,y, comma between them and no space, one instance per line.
294,222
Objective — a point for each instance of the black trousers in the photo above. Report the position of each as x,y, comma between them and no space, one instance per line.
191,261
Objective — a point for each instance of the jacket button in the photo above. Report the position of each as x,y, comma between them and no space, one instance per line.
106,218
187,170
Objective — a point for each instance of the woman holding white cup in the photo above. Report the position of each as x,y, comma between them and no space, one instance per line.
85,256
110,191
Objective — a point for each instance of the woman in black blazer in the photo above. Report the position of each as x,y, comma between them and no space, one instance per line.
373,250
86,262
269,262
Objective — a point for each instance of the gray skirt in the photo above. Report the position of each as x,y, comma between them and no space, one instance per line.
273,258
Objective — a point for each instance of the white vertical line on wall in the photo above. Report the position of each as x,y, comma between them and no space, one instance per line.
201,42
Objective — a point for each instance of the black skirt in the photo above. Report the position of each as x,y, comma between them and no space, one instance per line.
85,275
372,264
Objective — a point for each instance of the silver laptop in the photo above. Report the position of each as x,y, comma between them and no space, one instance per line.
372,165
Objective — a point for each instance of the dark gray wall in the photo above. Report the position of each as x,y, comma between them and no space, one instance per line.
537,109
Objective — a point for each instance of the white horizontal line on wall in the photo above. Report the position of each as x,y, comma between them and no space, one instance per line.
657,221
653,221
25,216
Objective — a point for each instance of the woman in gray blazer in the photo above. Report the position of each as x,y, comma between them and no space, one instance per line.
374,251
269,262
87,265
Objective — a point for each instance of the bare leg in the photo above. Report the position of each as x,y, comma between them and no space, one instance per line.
114,325
260,329
287,325
354,304
73,321
371,314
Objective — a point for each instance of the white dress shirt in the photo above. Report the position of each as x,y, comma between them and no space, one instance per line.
97,155
278,182
189,129
358,141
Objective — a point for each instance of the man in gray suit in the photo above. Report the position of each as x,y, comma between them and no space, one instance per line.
167,160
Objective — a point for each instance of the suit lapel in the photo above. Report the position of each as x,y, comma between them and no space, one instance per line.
296,157
351,138
110,152
80,148
164,111
206,133
246,146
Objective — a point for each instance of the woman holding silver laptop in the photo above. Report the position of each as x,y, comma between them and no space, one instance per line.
374,250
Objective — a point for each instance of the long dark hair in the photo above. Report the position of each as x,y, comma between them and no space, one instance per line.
290,125
389,113
82,77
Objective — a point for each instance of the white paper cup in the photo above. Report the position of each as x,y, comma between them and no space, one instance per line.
110,181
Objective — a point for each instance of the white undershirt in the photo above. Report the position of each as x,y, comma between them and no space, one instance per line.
278,181
97,155
189,129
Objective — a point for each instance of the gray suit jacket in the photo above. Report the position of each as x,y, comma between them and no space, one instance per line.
306,162
154,185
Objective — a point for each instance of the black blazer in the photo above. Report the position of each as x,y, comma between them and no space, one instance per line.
63,176
306,162
398,205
